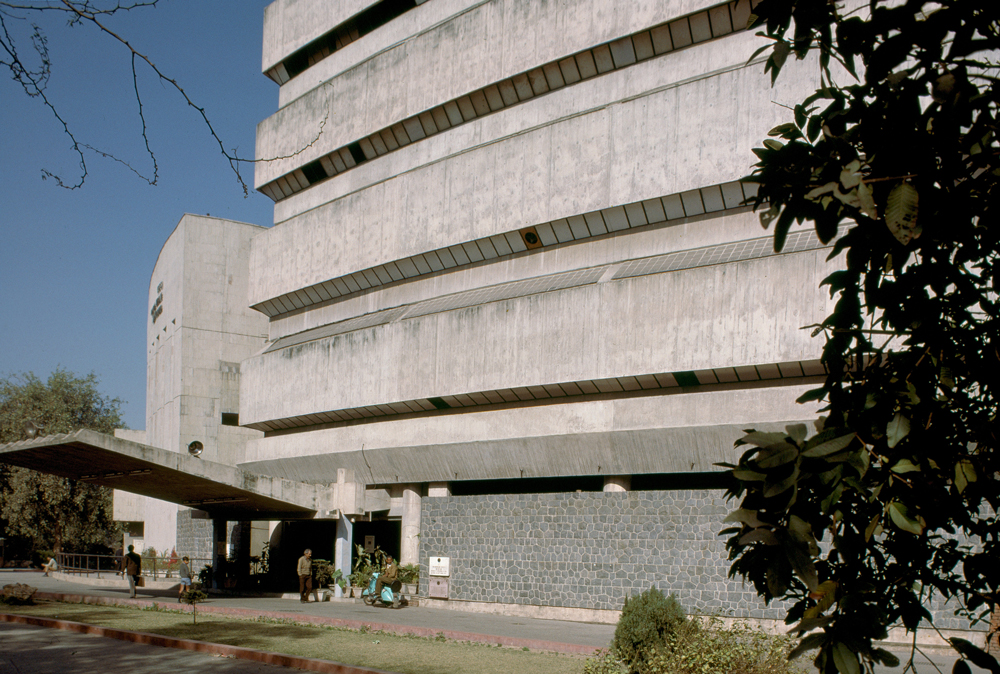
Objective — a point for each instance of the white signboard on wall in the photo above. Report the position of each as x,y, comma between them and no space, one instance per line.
369,544
440,566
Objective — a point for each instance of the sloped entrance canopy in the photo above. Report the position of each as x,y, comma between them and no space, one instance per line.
225,492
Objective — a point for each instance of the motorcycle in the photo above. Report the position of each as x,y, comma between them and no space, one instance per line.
390,593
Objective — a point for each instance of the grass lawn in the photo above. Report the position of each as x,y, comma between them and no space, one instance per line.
394,653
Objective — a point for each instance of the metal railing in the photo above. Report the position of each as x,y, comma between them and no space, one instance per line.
109,565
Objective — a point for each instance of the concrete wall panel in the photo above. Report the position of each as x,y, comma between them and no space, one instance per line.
679,431
735,314
582,163
460,56
290,25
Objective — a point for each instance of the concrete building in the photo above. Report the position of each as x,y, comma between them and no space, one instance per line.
511,312
199,328
511,285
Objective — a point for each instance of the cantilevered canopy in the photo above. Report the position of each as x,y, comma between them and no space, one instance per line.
222,491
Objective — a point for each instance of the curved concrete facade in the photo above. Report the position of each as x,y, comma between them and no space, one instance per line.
560,285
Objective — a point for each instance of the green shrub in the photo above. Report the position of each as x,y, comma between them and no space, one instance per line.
603,662
740,648
646,623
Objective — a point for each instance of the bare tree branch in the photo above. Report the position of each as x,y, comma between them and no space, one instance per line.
34,82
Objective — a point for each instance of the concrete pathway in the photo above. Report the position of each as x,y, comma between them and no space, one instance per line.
554,635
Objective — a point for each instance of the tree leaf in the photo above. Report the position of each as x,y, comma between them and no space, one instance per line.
829,447
897,429
965,473
749,476
845,659
797,432
900,516
765,536
978,657
885,657
870,529
866,201
961,667
905,466
811,642
775,488
776,455
901,209
748,517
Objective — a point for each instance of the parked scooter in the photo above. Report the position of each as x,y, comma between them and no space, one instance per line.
390,593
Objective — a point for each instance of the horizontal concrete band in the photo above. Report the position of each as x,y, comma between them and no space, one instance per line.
606,57
663,322
589,165
717,200
319,621
447,76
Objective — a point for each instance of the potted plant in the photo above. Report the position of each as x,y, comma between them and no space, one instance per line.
327,576
409,576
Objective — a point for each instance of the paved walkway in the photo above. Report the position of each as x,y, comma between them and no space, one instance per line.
18,655
553,635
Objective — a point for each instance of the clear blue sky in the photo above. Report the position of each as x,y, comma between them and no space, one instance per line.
75,265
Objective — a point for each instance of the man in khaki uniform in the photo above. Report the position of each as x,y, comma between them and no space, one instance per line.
305,575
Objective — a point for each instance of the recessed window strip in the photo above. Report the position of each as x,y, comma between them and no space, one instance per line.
353,29
687,379
716,199
667,37
796,242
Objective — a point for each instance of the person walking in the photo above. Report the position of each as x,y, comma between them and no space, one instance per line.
132,567
184,571
305,575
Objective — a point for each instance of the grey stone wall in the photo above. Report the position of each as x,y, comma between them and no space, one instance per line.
592,550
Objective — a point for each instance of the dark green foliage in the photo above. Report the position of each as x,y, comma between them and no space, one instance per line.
46,511
901,477
647,623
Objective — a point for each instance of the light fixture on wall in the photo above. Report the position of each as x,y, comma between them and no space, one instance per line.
196,448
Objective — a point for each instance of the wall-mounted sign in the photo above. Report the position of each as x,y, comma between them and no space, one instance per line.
157,305
440,566
369,544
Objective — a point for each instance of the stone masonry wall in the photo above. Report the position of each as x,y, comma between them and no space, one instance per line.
592,550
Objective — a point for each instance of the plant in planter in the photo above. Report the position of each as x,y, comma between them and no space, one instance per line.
365,564
205,576
409,576
326,575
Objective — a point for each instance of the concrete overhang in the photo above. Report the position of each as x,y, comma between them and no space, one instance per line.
220,490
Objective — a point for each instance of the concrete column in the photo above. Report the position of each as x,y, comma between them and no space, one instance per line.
409,546
342,549
437,489
219,537
617,483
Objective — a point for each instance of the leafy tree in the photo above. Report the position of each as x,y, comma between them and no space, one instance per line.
47,510
894,499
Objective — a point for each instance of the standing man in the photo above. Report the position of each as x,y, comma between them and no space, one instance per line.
132,567
184,571
305,575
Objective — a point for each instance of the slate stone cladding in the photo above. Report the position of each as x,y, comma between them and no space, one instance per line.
592,550
194,536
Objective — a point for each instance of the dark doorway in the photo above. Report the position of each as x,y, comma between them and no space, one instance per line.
386,535
288,542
